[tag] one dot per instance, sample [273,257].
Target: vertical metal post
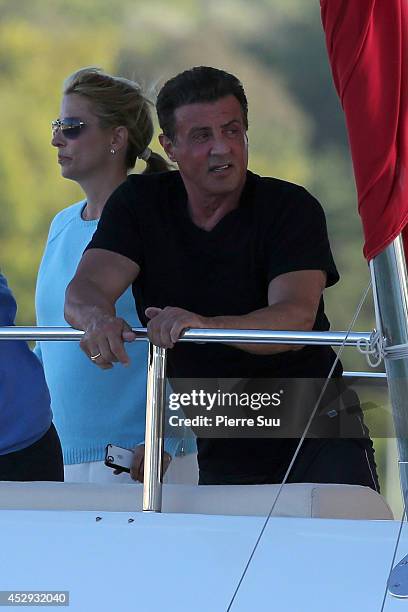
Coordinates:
[390,288]
[155,406]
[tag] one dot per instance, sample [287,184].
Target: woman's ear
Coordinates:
[119,138]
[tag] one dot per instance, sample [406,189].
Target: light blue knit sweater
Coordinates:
[91,407]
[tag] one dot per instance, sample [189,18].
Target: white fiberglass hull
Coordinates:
[192,563]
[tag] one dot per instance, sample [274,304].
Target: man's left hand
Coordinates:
[167,325]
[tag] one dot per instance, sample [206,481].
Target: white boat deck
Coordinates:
[192,563]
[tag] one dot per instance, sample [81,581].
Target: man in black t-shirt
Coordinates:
[216,246]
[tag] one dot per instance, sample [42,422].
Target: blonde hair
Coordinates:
[119,101]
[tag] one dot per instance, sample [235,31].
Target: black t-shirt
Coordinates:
[277,228]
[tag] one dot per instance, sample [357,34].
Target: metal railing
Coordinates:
[156,372]
[250,336]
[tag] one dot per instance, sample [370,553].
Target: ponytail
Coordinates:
[155,163]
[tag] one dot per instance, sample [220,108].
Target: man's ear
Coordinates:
[119,138]
[168,147]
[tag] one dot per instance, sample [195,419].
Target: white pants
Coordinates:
[182,470]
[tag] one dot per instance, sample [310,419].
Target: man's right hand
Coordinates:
[103,341]
[102,276]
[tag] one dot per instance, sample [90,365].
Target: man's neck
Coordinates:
[207,210]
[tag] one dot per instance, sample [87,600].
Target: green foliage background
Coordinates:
[276,47]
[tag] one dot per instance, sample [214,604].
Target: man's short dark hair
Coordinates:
[199,84]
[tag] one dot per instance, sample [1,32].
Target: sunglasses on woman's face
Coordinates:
[71,127]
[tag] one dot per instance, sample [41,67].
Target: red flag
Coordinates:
[367,42]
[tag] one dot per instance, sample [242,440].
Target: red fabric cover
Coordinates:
[367,42]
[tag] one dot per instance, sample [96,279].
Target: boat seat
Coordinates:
[296,500]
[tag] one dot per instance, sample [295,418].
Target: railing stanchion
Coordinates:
[155,407]
[390,292]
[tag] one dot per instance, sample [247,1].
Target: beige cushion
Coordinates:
[296,500]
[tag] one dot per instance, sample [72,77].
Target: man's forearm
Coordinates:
[84,303]
[282,316]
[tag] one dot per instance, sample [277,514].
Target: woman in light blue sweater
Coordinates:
[104,126]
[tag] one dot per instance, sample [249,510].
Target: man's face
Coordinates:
[210,147]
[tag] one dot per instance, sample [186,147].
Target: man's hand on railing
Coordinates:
[103,341]
[167,325]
